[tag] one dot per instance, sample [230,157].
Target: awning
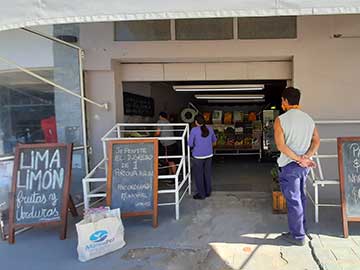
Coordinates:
[22,13]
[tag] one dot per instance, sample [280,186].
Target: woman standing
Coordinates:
[201,141]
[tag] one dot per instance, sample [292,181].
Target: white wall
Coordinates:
[325,69]
[99,87]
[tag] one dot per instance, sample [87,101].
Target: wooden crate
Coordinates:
[279,203]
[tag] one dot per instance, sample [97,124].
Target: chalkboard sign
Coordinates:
[138,105]
[40,186]
[349,172]
[132,183]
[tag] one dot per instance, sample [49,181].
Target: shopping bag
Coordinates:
[99,233]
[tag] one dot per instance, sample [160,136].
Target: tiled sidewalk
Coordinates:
[336,253]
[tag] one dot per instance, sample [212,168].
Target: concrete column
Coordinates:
[66,73]
[100,86]
[67,107]
[116,67]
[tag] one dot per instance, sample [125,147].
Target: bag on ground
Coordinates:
[100,232]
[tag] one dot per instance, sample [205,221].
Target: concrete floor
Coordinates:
[241,173]
[229,230]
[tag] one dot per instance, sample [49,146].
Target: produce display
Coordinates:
[228,118]
[238,117]
[217,117]
[251,116]
[235,133]
[207,117]
[269,145]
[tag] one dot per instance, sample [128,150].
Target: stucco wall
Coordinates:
[99,87]
[324,68]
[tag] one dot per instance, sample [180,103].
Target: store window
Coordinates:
[151,30]
[267,27]
[33,111]
[204,29]
[27,113]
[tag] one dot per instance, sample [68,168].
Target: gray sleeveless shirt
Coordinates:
[298,128]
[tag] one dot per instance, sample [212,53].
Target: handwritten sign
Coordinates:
[6,168]
[138,105]
[349,170]
[132,177]
[40,186]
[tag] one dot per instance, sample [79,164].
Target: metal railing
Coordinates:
[182,176]
[316,176]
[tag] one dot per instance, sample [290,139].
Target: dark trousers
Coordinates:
[202,174]
[292,182]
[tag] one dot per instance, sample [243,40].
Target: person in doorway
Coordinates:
[167,147]
[297,139]
[201,141]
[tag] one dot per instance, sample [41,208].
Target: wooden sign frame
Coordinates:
[154,212]
[345,218]
[67,182]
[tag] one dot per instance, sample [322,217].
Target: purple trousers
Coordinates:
[292,182]
[202,174]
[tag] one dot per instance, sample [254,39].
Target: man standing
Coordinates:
[167,147]
[297,139]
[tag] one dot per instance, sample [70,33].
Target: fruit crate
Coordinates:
[278,203]
[278,199]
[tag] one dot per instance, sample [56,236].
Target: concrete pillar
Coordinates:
[116,67]
[100,86]
[67,107]
[66,73]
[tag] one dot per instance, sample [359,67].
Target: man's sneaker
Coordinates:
[198,197]
[288,238]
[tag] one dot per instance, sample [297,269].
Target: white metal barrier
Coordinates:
[182,177]
[317,175]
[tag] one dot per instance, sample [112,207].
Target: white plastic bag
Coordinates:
[99,233]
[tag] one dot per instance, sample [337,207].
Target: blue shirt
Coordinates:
[201,147]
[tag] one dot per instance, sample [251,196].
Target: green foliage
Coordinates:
[275,176]
[274,172]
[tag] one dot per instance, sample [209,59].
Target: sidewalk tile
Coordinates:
[345,253]
[350,266]
[357,251]
[356,239]
[330,242]
[324,255]
[331,266]
[315,242]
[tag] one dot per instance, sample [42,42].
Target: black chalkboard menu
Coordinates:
[40,186]
[349,174]
[132,183]
[138,105]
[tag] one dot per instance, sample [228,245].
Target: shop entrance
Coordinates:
[241,113]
